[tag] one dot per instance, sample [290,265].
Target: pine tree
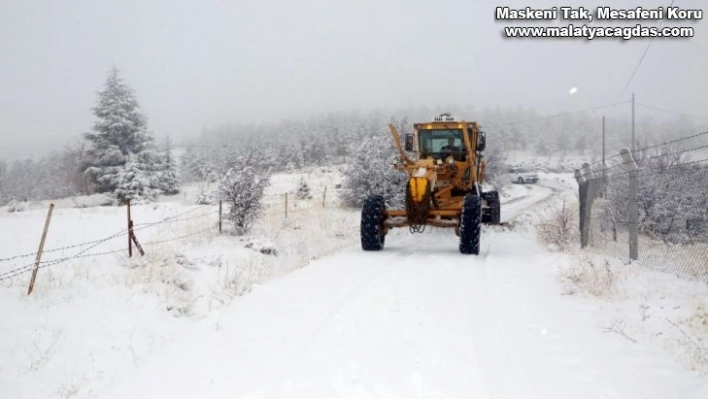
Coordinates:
[169,179]
[120,130]
[303,191]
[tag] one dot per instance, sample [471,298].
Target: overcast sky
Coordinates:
[203,63]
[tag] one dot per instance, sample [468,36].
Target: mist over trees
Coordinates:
[332,138]
[56,175]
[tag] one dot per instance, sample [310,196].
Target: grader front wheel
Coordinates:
[372,228]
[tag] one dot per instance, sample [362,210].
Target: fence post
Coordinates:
[582,211]
[41,248]
[324,196]
[631,166]
[130,232]
[219,217]
[286,205]
[137,245]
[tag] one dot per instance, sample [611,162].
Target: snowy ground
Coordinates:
[415,320]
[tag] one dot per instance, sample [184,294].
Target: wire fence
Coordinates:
[201,220]
[651,207]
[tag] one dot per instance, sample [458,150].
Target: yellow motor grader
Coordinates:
[444,185]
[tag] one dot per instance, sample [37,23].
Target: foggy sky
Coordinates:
[196,64]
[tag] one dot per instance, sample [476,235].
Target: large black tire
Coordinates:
[372,228]
[520,180]
[470,225]
[493,214]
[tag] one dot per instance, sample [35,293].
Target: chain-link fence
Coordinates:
[650,206]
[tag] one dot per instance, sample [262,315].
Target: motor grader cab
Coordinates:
[445,167]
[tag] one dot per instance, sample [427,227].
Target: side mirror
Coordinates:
[409,142]
[482,143]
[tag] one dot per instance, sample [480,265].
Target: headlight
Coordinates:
[450,161]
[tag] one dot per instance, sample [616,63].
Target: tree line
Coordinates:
[121,157]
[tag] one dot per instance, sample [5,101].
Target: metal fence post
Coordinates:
[582,213]
[631,166]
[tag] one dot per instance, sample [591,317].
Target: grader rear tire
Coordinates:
[372,228]
[470,225]
[493,215]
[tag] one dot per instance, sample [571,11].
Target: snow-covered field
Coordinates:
[204,315]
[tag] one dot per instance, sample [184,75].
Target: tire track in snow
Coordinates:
[402,316]
[407,247]
[388,268]
[546,193]
[495,359]
[494,296]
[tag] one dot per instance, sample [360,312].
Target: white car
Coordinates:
[521,176]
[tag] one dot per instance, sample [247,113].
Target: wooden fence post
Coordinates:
[137,244]
[132,239]
[219,217]
[41,248]
[130,232]
[324,196]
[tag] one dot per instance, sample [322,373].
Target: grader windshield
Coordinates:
[440,143]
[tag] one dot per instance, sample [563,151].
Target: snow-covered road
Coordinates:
[415,320]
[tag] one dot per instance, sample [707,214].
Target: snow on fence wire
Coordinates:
[656,214]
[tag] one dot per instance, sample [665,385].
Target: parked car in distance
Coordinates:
[522,176]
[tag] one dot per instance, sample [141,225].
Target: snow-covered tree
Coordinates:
[495,163]
[169,178]
[370,171]
[672,199]
[303,191]
[120,130]
[133,183]
[242,187]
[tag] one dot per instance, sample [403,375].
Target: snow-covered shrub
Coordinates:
[242,187]
[303,191]
[691,339]
[370,171]
[560,229]
[291,167]
[133,184]
[204,197]
[588,277]
[265,247]
[17,206]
